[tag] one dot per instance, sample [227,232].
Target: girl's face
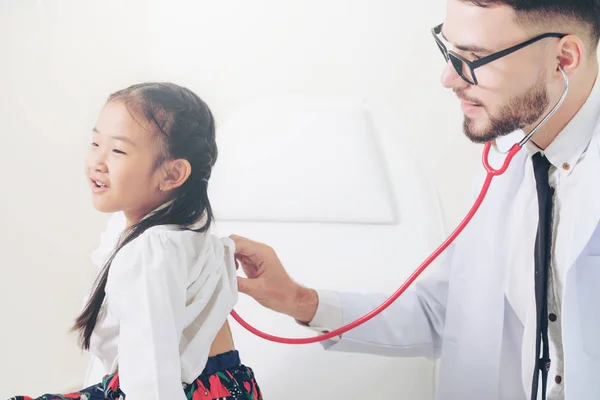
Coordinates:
[120,165]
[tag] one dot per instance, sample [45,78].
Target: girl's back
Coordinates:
[191,274]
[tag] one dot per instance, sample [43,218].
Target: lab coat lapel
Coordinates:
[474,324]
[588,211]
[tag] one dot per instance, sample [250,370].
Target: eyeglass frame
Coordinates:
[448,54]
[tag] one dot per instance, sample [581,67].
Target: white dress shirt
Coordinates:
[168,294]
[565,153]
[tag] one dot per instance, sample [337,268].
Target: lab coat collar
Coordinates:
[477,269]
[588,212]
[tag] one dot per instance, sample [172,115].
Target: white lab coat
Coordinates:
[462,315]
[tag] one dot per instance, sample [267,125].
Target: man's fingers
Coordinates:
[243,246]
[251,252]
[247,286]
[248,266]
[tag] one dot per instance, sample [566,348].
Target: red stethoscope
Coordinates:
[491,173]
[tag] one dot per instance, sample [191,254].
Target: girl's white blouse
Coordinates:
[169,292]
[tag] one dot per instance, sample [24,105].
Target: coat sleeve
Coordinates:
[412,326]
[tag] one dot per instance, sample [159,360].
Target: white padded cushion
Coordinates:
[301,160]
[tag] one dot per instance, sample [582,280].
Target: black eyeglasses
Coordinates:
[466,68]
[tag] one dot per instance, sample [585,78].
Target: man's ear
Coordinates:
[570,53]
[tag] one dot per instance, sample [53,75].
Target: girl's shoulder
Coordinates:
[163,247]
[166,241]
[168,238]
[176,249]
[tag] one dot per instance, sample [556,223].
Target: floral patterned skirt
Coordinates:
[224,378]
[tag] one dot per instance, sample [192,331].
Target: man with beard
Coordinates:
[512,313]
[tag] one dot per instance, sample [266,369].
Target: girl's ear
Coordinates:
[176,172]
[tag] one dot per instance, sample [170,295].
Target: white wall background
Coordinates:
[60,59]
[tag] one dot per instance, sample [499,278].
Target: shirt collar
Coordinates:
[570,144]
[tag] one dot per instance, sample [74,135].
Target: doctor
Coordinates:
[479,316]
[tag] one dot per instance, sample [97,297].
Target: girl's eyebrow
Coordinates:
[117,137]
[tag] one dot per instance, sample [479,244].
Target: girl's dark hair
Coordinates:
[186,130]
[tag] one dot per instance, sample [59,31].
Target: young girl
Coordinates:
[157,317]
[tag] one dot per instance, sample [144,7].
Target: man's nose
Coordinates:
[450,79]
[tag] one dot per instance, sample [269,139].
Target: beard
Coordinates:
[519,112]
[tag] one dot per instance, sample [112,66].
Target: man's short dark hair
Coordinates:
[581,12]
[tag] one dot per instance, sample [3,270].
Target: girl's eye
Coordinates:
[119,151]
[94,144]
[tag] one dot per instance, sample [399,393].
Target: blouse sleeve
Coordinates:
[147,292]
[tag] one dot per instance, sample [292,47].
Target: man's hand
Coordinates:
[268,282]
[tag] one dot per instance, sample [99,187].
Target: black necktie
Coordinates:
[543,241]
